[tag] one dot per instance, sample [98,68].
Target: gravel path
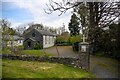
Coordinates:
[99,66]
[104,67]
[64,51]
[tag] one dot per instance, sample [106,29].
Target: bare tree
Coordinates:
[101,11]
[101,14]
[20,29]
[61,6]
[7,34]
[5,24]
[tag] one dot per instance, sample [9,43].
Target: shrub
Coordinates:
[60,39]
[75,39]
[63,39]
[63,43]
[20,47]
[37,46]
[76,46]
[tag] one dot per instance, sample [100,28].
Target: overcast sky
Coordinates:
[24,11]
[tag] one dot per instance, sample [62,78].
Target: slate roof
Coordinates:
[13,37]
[44,32]
[30,39]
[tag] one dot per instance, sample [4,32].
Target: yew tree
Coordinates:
[74,25]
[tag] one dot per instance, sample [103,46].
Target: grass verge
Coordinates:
[35,53]
[32,69]
[27,52]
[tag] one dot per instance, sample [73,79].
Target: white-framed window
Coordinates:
[20,41]
[45,39]
[49,39]
[52,39]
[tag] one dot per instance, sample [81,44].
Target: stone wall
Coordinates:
[74,62]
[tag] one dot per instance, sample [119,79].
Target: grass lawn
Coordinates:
[32,69]
[35,52]
[27,52]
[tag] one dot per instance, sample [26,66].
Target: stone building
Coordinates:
[37,35]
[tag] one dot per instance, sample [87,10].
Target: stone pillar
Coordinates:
[84,55]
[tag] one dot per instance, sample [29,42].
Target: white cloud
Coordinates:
[13,23]
[59,21]
[36,8]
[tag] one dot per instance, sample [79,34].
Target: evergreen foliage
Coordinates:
[37,46]
[74,25]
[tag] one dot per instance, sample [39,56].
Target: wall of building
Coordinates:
[37,37]
[48,41]
[30,45]
[15,43]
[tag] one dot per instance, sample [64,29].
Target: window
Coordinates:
[52,39]
[20,41]
[33,34]
[49,40]
[45,39]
